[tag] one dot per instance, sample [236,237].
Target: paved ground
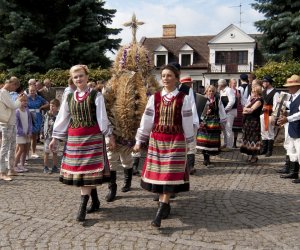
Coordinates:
[230,206]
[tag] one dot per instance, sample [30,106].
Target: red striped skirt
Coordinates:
[85,160]
[164,169]
[238,120]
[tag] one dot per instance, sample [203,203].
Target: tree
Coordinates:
[40,35]
[281,28]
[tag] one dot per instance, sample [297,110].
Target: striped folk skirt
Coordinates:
[164,169]
[209,135]
[85,160]
[238,120]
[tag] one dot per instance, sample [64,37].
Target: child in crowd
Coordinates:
[24,130]
[49,119]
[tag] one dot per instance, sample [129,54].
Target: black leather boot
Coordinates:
[82,208]
[95,205]
[270,148]
[127,180]
[286,168]
[264,148]
[191,163]
[296,181]
[294,171]
[235,140]
[160,211]
[112,186]
[135,165]
[206,161]
[166,212]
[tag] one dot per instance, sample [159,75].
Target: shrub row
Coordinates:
[279,71]
[58,77]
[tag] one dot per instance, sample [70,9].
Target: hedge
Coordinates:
[58,77]
[279,71]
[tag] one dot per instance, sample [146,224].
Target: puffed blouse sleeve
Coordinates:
[222,112]
[102,119]
[61,124]
[187,120]
[147,122]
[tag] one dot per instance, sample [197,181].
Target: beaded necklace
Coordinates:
[82,98]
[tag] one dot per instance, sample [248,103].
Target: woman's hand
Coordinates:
[282,120]
[247,110]
[136,148]
[111,143]
[52,144]
[202,125]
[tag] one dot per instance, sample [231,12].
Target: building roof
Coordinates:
[198,43]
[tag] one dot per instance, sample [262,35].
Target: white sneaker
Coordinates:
[34,156]
[23,169]
[19,169]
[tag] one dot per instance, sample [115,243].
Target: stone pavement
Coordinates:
[231,206]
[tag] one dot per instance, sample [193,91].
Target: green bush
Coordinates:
[279,71]
[58,77]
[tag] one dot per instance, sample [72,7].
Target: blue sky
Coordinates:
[192,17]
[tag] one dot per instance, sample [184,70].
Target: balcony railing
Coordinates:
[229,68]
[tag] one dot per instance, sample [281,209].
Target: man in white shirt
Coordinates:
[185,86]
[244,89]
[228,99]
[270,96]
[293,120]
[8,130]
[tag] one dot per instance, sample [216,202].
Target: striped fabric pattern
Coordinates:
[83,161]
[187,113]
[84,151]
[149,112]
[166,159]
[166,117]
[208,135]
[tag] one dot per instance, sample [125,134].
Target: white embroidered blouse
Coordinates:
[147,121]
[63,118]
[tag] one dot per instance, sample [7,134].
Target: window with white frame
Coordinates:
[160,56]
[161,60]
[186,55]
[186,59]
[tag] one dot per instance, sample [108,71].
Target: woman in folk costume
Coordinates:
[83,120]
[238,120]
[251,125]
[169,122]
[208,137]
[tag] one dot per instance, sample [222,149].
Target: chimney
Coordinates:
[169,31]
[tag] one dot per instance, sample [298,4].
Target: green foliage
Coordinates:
[36,36]
[280,71]
[58,77]
[280,28]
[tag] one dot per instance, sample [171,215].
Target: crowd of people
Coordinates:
[172,127]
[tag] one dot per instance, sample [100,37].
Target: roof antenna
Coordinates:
[239,6]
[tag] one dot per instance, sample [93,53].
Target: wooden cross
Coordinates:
[133,24]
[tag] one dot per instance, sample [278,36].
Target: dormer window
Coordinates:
[160,60]
[186,59]
[161,56]
[186,55]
